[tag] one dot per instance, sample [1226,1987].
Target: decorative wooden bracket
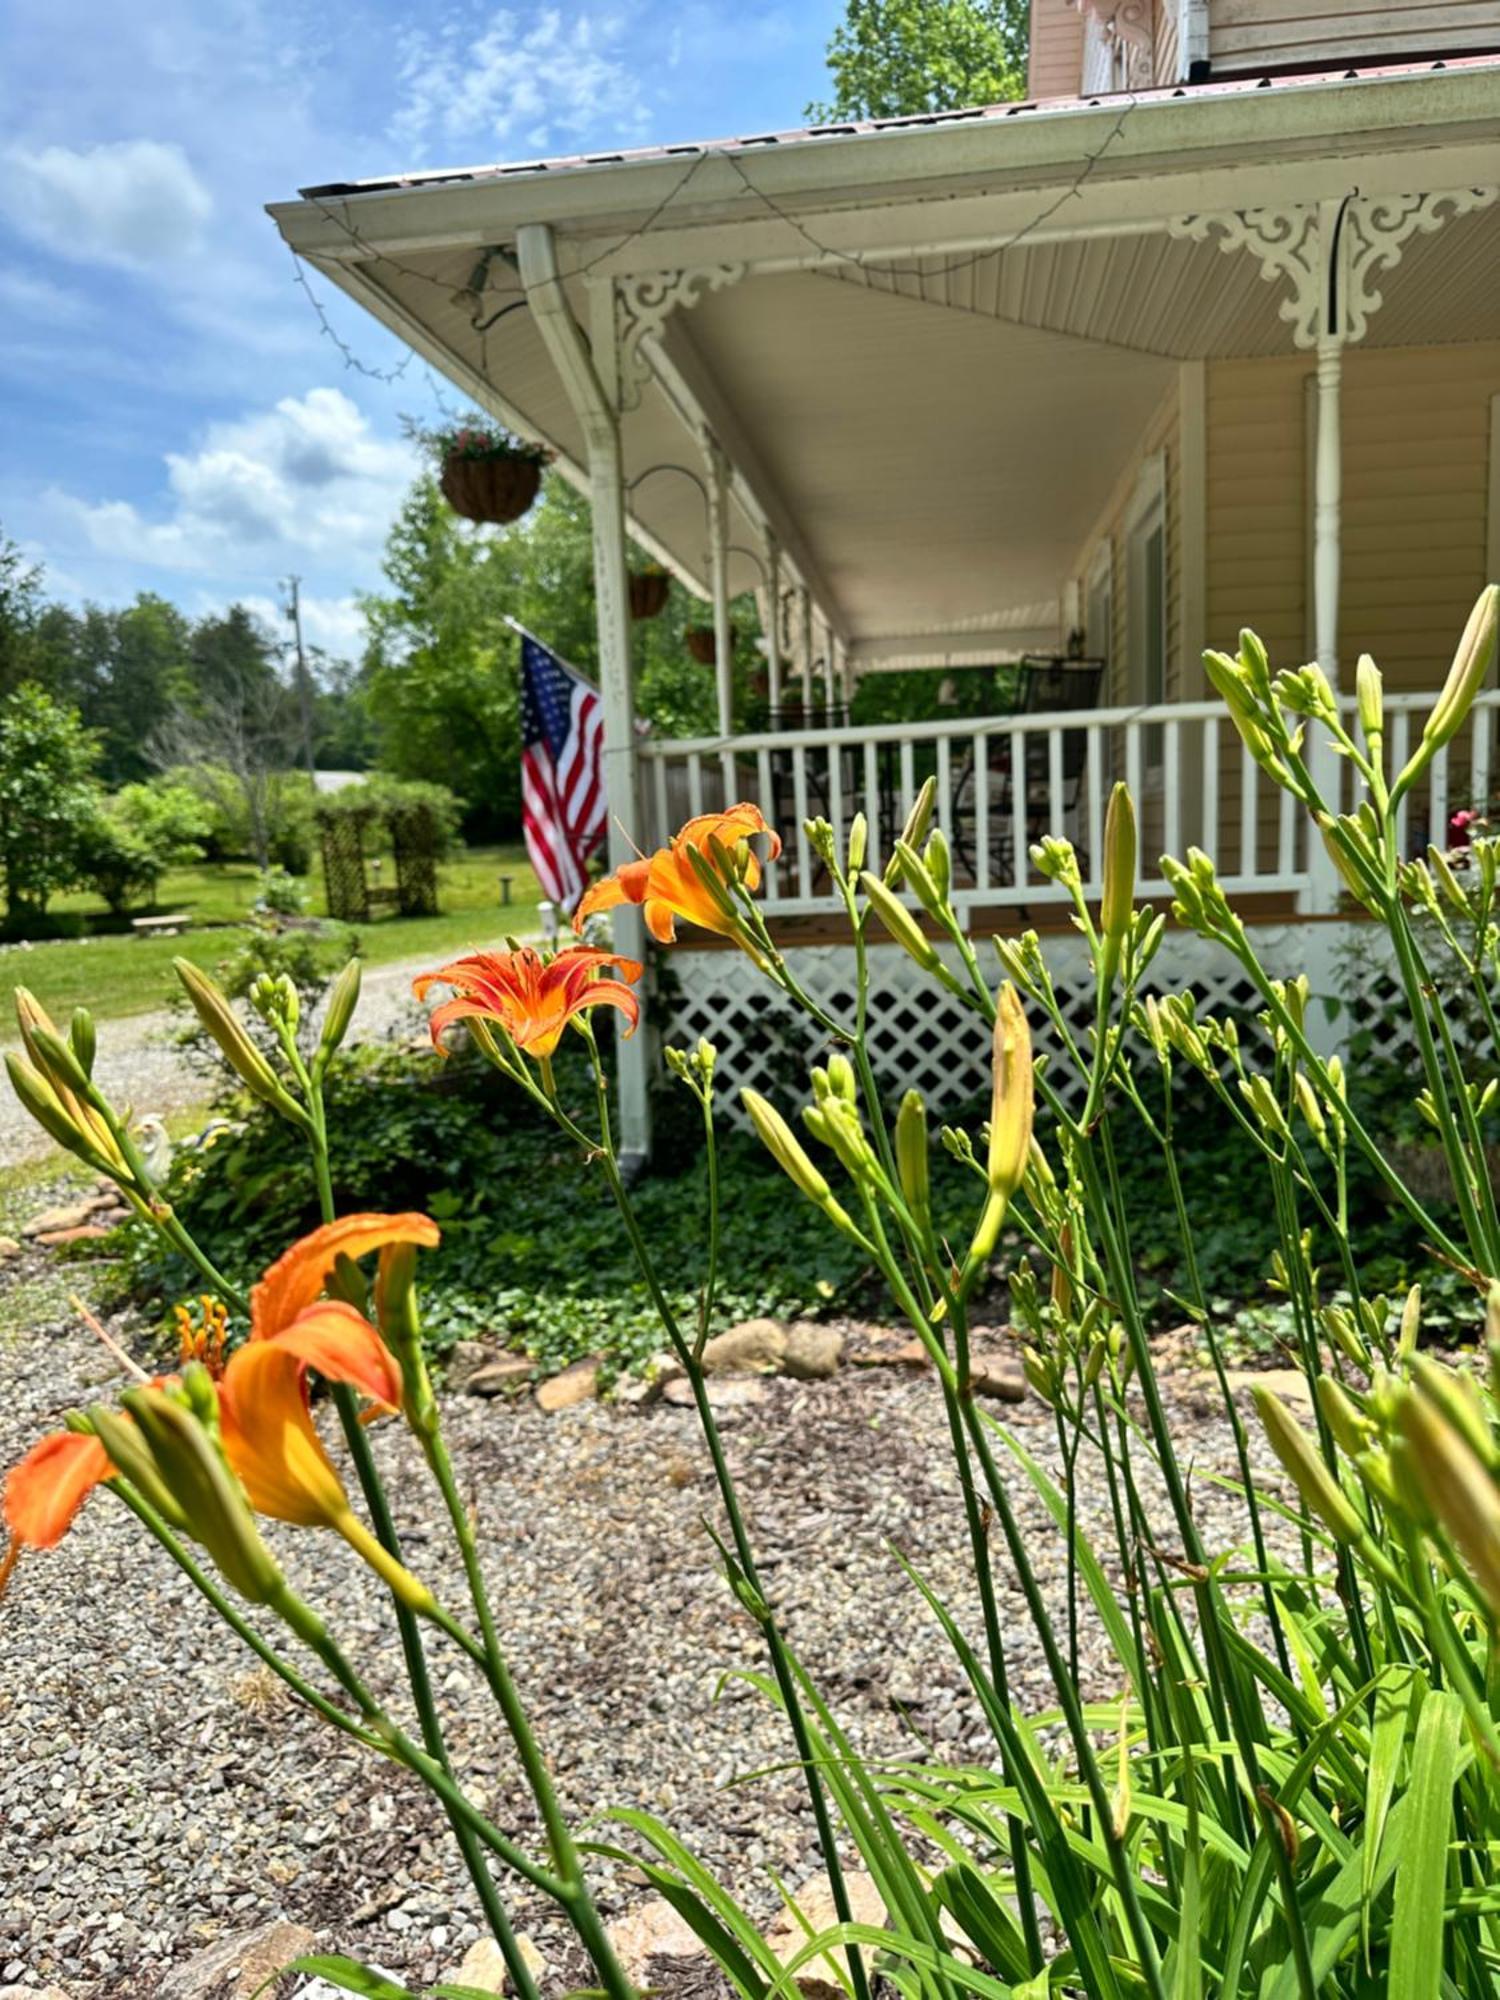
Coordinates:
[1330,253]
[644,303]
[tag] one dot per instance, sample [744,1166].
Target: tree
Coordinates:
[899,58]
[137,835]
[48,795]
[235,746]
[20,607]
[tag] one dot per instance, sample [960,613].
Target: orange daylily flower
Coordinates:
[267,1428]
[533,998]
[666,883]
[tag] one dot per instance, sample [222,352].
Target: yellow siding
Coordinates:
[1284,34]
[1056,61]
[1416,483]
[1161,435]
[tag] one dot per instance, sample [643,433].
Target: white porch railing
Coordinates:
[1003,782]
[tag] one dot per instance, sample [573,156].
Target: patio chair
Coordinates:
[1048,686]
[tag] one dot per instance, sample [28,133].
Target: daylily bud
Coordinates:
[1011,1113]
[1256,664]
[131,1457]
[919,879]
[1298,1453]
[1456,1395]
[1347,1423]
[1462,1494]
[343,998]
[1467,675]
[900,922]
[785,1148]
[39,1098]
[193,1469]
[859,840]
[912,1156]
[1119,879]
[1447,881]
[920,817]
[212,1007]
[939,862]
[1411,1323]
[841,1078]
[1369,694]
[83,1039]
[712,881]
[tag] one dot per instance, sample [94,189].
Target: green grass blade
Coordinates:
[1421,1882]
[1395,1699]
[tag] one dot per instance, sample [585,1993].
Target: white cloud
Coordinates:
[134,201]
[543,82]
[336,625]
[306,479]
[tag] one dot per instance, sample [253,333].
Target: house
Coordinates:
[1205,333]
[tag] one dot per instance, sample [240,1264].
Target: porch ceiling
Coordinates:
[945,467]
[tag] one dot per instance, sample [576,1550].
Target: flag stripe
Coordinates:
[563,811]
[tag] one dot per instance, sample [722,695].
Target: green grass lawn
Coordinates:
[117,973]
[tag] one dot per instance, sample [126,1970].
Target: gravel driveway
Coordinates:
[139,1063]
[156,1791]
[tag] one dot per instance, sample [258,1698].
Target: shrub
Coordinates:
[48,795]
[137,835]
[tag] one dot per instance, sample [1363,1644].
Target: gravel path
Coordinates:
[157,1792]
[139,1062]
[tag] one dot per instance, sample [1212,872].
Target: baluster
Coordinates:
[1437,812]
[1400,749]
[1171,777]
[1479,753]
[695,784]
[1286,835]
[799,800]
[663,829]
[908,780]
[1249,816]
[873,859]
[1209,834]
[981,810]
[768,807]
[836,793]
[943,803]
[1094,781]
[1019,744]
[1055,783]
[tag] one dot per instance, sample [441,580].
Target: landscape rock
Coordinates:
[484,1968]
[652,1930]
[578,1384]
[463,1358]
[639,1392]
[813,1352]
[725,1392]
[507,1375]
[33,1993]
[998,1380]
[817,1979]
[1290,1384]
[754,1347]
[907,1354]
[85,1232]
[237,1967]
[71,1216]
[9,1248]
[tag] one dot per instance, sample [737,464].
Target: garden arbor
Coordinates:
[1109,376]
[418,822]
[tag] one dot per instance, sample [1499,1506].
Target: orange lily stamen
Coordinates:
[531,997]
[667,884]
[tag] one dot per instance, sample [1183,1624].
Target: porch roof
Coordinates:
[926,346]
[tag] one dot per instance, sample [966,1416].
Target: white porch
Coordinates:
[900,381]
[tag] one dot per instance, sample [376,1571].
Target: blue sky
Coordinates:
[171,417]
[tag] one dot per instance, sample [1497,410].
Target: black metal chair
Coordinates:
[1048,686]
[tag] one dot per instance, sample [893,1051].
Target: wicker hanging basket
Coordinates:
[491,489]
[700,642]
[649,590]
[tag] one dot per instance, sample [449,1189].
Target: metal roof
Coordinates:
[1029,110]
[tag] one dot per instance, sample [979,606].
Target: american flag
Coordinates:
[563,808]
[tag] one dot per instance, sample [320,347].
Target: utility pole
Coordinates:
[304,684]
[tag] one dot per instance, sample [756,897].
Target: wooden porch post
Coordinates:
[717,467]
[1322,898]
[805,604]
[773,624]
[590,375]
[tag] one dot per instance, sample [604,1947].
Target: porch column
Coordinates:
[717,467]
[805,604]
[1322,898]
[589,370]
[773,624]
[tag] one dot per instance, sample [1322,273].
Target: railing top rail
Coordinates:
[961,727]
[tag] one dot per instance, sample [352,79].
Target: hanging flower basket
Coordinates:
[490,489]
[649,590]
[700,643]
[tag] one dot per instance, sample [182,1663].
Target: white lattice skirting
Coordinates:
[924,1038]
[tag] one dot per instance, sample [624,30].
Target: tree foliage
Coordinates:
[48,795]
[137,835]
[899,58]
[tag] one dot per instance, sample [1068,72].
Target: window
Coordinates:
[1146,542]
